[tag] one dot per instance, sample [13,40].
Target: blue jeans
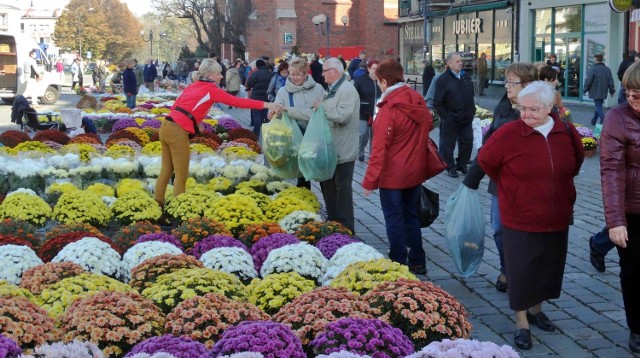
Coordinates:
[258,116]
[400,210]
[131,101]
[602,244]
[599,111]
[496,224]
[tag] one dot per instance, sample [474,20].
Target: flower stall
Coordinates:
[248,269]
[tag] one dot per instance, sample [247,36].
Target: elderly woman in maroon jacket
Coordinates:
[397,164]
[619,168]
[533,161]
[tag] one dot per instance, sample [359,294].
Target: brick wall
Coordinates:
[366,26]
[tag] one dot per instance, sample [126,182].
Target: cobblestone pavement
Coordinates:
[589,313]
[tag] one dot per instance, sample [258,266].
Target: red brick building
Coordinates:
[274,26]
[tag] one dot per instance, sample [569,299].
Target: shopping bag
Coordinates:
[280,141]
[464,226]
[597,131]
[429,206]
[317,157]
[477,133]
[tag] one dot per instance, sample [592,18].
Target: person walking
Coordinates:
[97,75]
[355,63]
[60,70]
[149,74]
[454,102]
[482,73]
[342,107]
[75,73]
[233,79]
[534,161]
[369,92]
[619,164]
[398,163]
[428,73]
[258,84]
[598,81]
[129,84]
[187,112]
[32,75]
[278,80]
[518,76]
[297,97]
[628,60]
[139,72]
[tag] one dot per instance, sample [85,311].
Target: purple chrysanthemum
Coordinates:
[161,237]
[151,123]
[130,143]
[124,123]
[206,127]
[147,105]
[584,131]
[328,245]
[180,347]
[228,123]
[214,242]
[362,336]
[9,348]
[260,250]
[269,338]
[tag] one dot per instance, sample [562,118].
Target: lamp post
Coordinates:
[323,26]
[159,40]
[150,39]
[80,16]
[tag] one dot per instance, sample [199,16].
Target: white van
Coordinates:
[13,54]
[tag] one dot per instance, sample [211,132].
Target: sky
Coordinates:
[137,7]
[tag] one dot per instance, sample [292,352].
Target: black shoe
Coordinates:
[463,170]
[634,342]
[418,269]
[452,173]
[522,339]
[542,321]
[501,286]
[597,260]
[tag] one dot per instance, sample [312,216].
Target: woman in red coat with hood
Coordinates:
[397,165]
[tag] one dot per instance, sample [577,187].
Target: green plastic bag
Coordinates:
[280,142]
[317,157]
[597,131]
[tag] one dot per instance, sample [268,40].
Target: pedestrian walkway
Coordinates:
[589,314]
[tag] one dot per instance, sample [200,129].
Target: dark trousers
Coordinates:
[400,210]
[630,273]
[450,133]
[602,243]
[338,196]
[258,116]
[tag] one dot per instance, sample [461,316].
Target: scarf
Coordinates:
[332,91]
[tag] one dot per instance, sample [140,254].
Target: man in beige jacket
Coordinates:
[341,103]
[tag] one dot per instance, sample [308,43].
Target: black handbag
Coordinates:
[429,206]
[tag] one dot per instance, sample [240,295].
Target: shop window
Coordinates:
[568,19]
[502,60]
[487,48]
[543,21]
[437,54]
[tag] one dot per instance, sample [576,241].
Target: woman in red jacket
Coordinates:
[183,120]
[533,161]
[619,167]
[397,164]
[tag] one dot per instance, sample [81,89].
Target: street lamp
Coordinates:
[80,16]
[323,26]
[150,39]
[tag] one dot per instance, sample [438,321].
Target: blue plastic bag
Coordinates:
[317,157]
[464,226]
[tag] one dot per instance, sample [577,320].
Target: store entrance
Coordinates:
[568,48]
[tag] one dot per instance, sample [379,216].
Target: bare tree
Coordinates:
[215,21]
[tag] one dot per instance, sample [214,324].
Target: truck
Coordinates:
[14,52]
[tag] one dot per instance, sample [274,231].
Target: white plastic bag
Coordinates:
[143,90]
[477,133]
[242,92]
[464,226]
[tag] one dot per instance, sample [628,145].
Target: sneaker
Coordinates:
[452,173]
[597,260]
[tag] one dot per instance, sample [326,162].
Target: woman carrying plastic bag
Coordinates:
[280,141]
[317,157]
[464,226]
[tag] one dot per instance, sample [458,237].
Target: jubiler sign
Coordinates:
[467,26]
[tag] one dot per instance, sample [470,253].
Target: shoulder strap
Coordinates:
[290,99]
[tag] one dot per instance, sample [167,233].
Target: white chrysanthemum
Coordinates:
[292,222]
[244,355]
[154,355]
[93,255]
[144,251]
[75,349]
[22,191]
[343,354]
[345,256]
[15,260]
[233,260]
[448,348]
[302,258]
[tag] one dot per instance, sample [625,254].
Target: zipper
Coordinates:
[552,201]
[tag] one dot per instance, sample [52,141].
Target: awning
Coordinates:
[347,52]
[471,8]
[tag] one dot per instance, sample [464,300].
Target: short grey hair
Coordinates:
[208,66]
[540,91]
[334,62]
[450,56]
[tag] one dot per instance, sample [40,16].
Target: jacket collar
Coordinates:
[525,130]
[391,95]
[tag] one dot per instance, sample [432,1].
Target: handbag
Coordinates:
[429,206]
[435,163]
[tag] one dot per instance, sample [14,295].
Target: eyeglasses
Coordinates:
[298,75]
[511,84]
[524,109]
[632,96]
[327,70]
